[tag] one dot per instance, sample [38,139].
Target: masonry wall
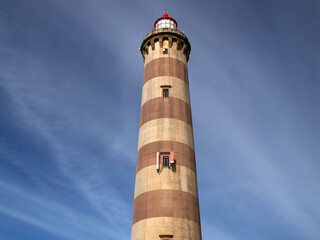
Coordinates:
[166,202]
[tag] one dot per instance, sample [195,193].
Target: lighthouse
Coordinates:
[166,204]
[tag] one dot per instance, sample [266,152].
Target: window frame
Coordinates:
[167,158]
[165,92]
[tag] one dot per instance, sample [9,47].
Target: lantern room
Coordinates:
[166,22]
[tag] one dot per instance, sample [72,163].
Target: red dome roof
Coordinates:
[165,16]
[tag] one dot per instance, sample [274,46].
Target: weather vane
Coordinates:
[165,5]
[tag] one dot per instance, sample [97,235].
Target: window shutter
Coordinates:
[158,160]
[172,157]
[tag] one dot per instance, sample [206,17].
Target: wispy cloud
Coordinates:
[83,168]
[50,216]
[73,134]
[71,81]
[265,162]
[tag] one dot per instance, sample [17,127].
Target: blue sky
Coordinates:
[70,91]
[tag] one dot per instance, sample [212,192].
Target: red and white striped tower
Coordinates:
[166,204]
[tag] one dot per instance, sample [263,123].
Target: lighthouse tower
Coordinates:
[166,204]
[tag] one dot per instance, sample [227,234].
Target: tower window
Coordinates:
[165,51]
[166,161]
[166,237]
[165,92]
